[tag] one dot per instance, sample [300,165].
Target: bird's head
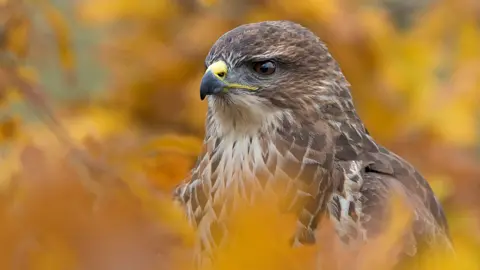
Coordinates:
[259,73]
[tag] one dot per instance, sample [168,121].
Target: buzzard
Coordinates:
[280,111]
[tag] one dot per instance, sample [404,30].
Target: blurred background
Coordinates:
[101,116]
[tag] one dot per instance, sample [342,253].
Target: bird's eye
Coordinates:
[264,68]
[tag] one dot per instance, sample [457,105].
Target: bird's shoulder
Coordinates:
[383,173]
[355,146]
[386,166]
[366,175]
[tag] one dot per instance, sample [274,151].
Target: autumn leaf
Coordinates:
[9,129]
[61,29]
[89,185]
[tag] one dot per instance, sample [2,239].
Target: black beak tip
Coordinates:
[211,85]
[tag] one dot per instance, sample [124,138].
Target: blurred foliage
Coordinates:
[88,187]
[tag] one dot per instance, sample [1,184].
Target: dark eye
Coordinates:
[265,67]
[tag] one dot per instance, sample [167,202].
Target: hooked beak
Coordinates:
[211,84]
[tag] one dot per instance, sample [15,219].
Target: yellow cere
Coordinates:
[220,67]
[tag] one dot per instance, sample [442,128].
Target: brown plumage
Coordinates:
[280,111]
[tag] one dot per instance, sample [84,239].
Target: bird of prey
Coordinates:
[280,111]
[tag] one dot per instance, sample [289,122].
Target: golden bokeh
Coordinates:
[86,182]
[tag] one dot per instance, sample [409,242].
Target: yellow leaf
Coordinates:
[441,185]
[9,129]
[18,35]
[323,10]
[53,255]
[208,3]
[187,145]
[382,251]
[28,74]
[61,30]
[104,11]
[258,245]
